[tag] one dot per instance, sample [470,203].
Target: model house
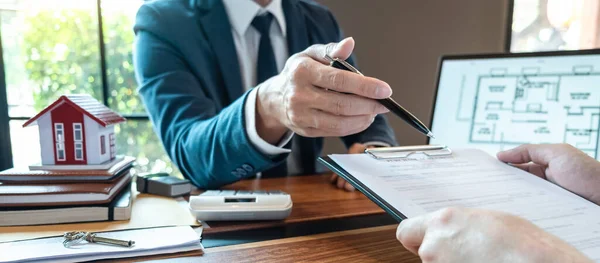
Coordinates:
[76,130]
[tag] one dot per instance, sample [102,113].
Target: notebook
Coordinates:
[149,241]
[78,167]
[61,194]
[147,211]
[118,209]
[23,174]
[418,183]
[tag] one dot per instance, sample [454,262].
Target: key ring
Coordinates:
[73,238]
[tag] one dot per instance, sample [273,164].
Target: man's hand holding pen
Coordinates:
[313,99]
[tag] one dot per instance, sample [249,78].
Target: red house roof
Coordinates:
[85,104]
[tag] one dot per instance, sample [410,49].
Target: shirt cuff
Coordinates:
[263,146]
[377,144]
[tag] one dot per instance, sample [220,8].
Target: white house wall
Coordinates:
[46,138]
[93,131]
[106,131]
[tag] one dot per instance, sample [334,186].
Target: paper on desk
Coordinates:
[150,241]
[472,178]
[147,211]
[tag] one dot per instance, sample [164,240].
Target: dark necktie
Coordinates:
[266,67]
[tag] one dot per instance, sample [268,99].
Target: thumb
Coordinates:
[537,153]
[411,232]
[342,49]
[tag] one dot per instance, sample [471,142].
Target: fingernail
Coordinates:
[384,92]
[345,39]
[339,44]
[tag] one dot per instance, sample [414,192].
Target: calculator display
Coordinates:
[240,200]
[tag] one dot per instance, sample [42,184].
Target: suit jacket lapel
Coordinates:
[297,35]
[218,32]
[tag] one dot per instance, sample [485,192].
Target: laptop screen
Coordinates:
[497,102]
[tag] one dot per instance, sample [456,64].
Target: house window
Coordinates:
[78,139]
[102,145]
[59,131]
[59,136]
[112,145]
[60,152]
[77,132]
[79,151]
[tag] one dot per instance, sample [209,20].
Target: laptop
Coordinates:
[496,102]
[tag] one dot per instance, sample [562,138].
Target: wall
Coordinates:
[400,41]
[45,128]
[93,131]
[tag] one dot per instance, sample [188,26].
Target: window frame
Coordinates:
[78,143]
[59,143]
[61,129]
[102,145]
[78,147]
[5,142]
[510,9]
[75,130]
[111,143]
[60,148]
[6,158]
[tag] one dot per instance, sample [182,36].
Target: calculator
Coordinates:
[231,205]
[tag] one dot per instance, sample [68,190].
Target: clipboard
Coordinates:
[412,186]
[385,153]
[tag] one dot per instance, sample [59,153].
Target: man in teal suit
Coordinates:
[237,88]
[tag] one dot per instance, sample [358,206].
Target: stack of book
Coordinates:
[66,194]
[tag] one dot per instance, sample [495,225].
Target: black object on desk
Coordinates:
[162,184]
[389,103]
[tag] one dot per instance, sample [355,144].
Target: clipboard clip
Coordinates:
[386,153]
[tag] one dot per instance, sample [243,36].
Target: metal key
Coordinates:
[75,237]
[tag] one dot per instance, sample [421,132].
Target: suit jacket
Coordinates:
[189,79]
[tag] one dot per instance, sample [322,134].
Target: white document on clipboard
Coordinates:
[421,183]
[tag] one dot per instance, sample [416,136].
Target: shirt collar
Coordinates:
[242,12]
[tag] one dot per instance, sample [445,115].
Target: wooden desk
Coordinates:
[317,205]
[314,199]
[376,244]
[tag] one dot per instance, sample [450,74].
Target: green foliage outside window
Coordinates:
[61,55]
[61,52]
[118,38]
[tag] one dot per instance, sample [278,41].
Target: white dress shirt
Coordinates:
[247,39]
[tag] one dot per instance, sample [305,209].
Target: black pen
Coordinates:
[389,103]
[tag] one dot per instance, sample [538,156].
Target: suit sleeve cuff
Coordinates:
[262,146]
[377,144]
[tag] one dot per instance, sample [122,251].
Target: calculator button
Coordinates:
[242,192]
[211,192]
[260,192]
[227,192]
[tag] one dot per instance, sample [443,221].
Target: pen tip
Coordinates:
[430,135]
